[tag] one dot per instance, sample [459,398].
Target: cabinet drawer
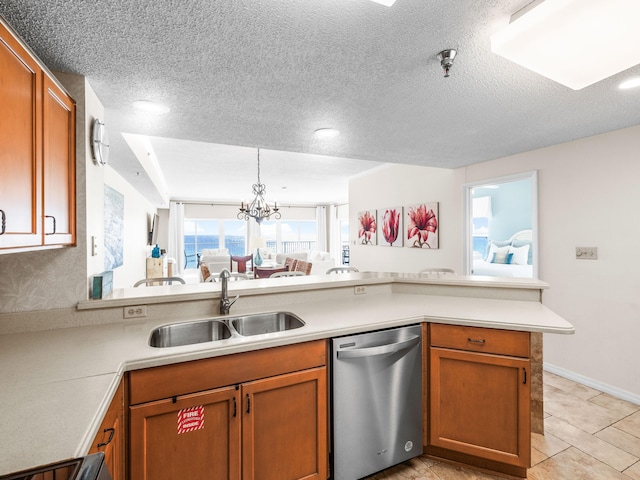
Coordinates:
[477,339]
[183,378]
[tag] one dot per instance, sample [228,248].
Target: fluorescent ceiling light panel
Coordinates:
[573,42]
[386,3]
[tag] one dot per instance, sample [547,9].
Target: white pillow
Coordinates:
[497,254]
[520,254]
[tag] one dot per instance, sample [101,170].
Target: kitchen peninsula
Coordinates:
[58,383]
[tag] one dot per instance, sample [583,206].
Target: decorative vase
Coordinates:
[257,260]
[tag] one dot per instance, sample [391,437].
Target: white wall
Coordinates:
[136,220]
[588,194]
[404,185]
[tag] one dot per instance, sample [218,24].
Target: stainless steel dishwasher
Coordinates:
[377,401]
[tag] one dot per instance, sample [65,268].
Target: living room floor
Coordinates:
[589,435]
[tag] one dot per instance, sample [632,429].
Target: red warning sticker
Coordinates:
[190,419]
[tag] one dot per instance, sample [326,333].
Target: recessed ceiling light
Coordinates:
[326,133]
[151,107]
[631,83]
[386,3]
[573,42]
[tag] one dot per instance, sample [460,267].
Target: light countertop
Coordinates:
[57,384]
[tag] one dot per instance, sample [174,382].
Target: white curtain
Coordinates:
[321,219]
[175,248]
[253,230]
[335,247]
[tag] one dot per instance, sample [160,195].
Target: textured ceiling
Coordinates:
[267,73]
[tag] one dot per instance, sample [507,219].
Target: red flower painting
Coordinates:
[391,225]
[423,226]
[368,227]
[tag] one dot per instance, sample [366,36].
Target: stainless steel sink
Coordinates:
[189,333]
[265,323]
[200,331]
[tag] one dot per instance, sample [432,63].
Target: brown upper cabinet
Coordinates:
[37,154]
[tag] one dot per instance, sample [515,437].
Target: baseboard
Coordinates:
[590,382]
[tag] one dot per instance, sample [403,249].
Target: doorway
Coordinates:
[501,226]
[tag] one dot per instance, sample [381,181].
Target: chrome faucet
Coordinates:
[225,303]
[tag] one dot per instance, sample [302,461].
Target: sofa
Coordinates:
[320,261]
[215,259]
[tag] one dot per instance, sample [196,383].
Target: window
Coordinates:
[213,233]
[281,236]
[200,234]
[235,237]
[480,215]
[297,236]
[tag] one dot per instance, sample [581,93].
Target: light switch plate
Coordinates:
[94,246]
[587,253]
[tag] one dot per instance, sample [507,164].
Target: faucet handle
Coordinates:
[234,300]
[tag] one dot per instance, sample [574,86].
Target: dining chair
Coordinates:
[234,277]
[303,266]
[159,280]
[289,263]
[288,274]
[342,269]
[437,270]
[188,256]
[242,263]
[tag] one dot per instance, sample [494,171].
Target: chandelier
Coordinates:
[258,208]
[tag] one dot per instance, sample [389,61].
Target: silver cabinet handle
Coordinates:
[4,223]
[379,350]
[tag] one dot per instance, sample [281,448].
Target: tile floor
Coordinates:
[589,435]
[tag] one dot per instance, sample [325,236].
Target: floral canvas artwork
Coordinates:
[390,221]
[367,227]
[422,225]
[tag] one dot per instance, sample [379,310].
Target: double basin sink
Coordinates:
[211,330]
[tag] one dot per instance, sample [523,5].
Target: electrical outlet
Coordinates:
[135,312]
[587,253]
[360,290]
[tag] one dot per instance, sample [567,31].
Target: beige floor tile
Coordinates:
[446,471]
[630,424]
[597,448]
[414,469]
[572,464]
[548,444]
[633,471]
[623,440]
[617,405]
[578,412]
[569,386]
[537,456]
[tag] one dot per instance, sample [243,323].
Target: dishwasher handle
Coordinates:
[380,349]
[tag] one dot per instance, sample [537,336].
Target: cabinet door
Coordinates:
[59,166]
[284,429]
[193,437]
[111,436]
[479,405]
[20,145]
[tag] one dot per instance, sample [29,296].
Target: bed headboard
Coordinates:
[524,236]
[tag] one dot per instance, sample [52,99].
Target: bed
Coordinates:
[508,258]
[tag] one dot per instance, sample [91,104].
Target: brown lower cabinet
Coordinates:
[272,424]
[112,435]
[479,397]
